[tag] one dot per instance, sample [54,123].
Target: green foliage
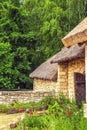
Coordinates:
[11,27]
[62,114]
[6,66]
[49,100]
[58,118]
[22,65]
[76,10]
[35,27]
[32,122]
[5,108]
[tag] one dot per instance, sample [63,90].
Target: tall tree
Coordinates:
[12,26]
[34,29]
[6,66]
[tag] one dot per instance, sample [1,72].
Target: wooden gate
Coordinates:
[80,89]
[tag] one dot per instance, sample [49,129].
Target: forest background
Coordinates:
[30,33]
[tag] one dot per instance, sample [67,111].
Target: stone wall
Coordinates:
[42,85]
[74,66]
[7,97]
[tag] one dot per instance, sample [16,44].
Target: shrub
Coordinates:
[34,122]
[5,108]
[63,115]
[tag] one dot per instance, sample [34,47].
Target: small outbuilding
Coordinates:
[45,76]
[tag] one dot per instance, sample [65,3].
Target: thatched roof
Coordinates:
[72,53]
[77,35]
[46,71]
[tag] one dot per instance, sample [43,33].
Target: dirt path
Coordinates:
[6,119]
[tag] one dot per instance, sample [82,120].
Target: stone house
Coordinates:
[59,72]
[45,76]
[71,64]
[79,36]
[71,72]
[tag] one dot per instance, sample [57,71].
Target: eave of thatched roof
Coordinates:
[72,53]
[46,71]
[77,35]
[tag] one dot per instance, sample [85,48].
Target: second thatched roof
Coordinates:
[72,53]
[46,71]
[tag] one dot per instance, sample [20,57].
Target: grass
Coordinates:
[61,114]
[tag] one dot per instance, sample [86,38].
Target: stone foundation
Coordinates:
[8,97]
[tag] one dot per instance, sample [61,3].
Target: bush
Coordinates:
[5,108]
[35,121]
[63,115]
[6,66]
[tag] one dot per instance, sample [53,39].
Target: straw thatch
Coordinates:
[46,71]
[77,35]
[72,53]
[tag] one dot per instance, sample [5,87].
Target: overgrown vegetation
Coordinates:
[35,106]
[33,29]
[62,114]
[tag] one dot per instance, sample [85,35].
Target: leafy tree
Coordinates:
[76,11]
[12,26]
[22,66]
[34,29]
[6,66]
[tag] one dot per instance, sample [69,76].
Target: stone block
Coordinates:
[45,94]
[32,95]
[5,93]
[36,95]
[63,73]
[63,80]
[13,125]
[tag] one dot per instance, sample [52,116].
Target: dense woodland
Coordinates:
[31,32]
